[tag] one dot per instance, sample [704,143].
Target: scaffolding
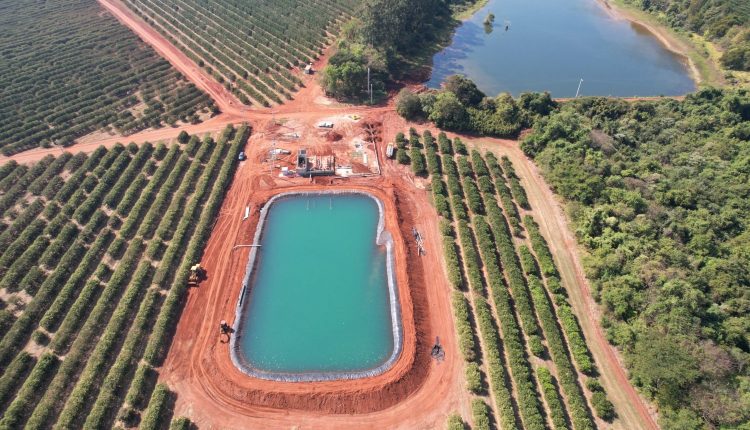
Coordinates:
[315,165]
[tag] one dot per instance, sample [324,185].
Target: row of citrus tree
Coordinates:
[250,50]
[110,305]
[79,72]
[479,202]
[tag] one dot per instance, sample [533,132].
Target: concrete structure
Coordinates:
[313,165]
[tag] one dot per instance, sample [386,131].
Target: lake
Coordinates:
[550,45]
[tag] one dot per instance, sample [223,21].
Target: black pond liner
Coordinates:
[383,238]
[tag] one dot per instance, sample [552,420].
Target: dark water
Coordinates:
[551,44]
[319,298]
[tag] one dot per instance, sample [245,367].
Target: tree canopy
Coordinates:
[461,106]
[346,75]
[400,25]
[725,21]
[659,194]
[408,105]
[465,90]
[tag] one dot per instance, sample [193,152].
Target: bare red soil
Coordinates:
[417,393]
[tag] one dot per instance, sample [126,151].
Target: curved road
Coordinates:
[635,412]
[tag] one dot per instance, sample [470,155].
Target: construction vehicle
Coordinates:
[389,150]
[197,274]
[225,330]
[437,352]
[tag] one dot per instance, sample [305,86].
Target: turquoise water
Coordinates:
[551,44]
[319,295]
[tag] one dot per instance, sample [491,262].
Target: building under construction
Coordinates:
[314,165]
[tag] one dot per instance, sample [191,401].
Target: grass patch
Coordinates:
[696,47]
[464,13]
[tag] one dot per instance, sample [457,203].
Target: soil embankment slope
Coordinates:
[202,394]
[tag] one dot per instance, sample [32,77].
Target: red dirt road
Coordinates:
[415,393]
[163,134]
[223,98]
[215,395]
[633,411]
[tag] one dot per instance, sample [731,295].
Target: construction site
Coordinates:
[133,277]
[340,146]
[315,145]
[284,155]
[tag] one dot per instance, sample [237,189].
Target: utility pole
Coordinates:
[273,154]
[273,142]
[370,94]
[579,87]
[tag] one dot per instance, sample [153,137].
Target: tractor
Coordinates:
[197,274]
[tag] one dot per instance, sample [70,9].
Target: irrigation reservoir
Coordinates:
[319,301]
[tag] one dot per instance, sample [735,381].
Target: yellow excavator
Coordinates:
[197,274]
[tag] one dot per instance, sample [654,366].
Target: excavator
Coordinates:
[197,274]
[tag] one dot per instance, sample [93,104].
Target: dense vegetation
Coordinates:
[94,259]
[461,106]
[69,69]
[510,292]
[726,21]
[659,194]
[385,37]
[254,48]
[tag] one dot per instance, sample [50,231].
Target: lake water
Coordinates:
[551,44]
[319,297]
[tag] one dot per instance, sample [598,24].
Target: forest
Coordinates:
[391,39]
[461,106]
[69,69]
[659,197]
[724,21]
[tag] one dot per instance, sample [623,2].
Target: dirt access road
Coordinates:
[441,391]
[416,393]
[223,98]
[633,411]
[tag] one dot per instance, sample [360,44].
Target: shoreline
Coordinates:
[663,34]
[702,71]
[472,10]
